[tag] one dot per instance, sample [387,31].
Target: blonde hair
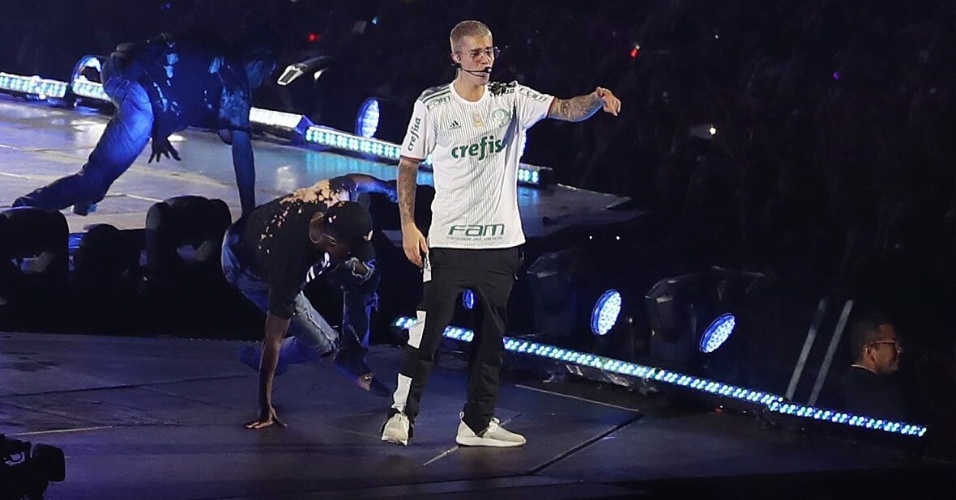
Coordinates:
[467,28]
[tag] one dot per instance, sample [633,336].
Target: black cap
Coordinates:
[350,222]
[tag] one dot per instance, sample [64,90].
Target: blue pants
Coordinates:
[310,335]
[126,134]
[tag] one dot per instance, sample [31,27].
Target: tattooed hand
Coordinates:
[611,103]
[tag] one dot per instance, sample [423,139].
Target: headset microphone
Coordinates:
[480,72]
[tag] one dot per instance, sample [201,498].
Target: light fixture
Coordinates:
[366,123]
[717,332]
[468,299]
[605,312]
[33,86]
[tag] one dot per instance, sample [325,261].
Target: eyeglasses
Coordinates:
[475,54]
[896,344]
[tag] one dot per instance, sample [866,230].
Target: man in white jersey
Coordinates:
[475,131]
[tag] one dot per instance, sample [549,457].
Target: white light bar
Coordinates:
[798,410]
[277,119]
[33,85]
[530,174]
[324,136]
[773,402]
[90,90]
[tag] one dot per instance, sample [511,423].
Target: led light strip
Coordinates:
[798,410]
[278,119]
[773,402]
[324,136]
[90,90]
[33,85]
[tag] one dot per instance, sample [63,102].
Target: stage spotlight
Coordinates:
[366,123]
[690,316]
[669,313]
[699,323]
[553,292]
[717,333]
[468,299]
[605,312]
[87,79]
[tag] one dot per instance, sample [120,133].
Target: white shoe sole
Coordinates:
[394,440]
[491,443]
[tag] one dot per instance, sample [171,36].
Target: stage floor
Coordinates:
[162,418]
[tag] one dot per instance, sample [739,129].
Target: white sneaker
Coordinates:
[397,429]
[495,435]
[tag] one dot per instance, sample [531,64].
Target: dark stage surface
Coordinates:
[162,418]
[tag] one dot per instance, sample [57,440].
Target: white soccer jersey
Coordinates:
[475,148]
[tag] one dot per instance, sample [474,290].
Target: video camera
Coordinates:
[26,470]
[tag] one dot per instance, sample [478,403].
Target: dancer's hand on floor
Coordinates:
[267,417]
[162,147]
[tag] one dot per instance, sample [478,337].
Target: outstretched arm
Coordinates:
[245,167]
[582,107]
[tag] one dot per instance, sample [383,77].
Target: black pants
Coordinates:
[490,274]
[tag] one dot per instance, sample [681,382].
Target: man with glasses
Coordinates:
[868,388]
[474,129]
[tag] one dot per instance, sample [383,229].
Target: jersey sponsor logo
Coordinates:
[482,149]
[416,125]
[431,103]
[475,231]
[454,125]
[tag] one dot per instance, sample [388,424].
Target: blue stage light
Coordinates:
[605,312]
[717,333]
[468,299]
[366,123]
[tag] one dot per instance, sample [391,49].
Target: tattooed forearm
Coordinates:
[575,109]
[407,181]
